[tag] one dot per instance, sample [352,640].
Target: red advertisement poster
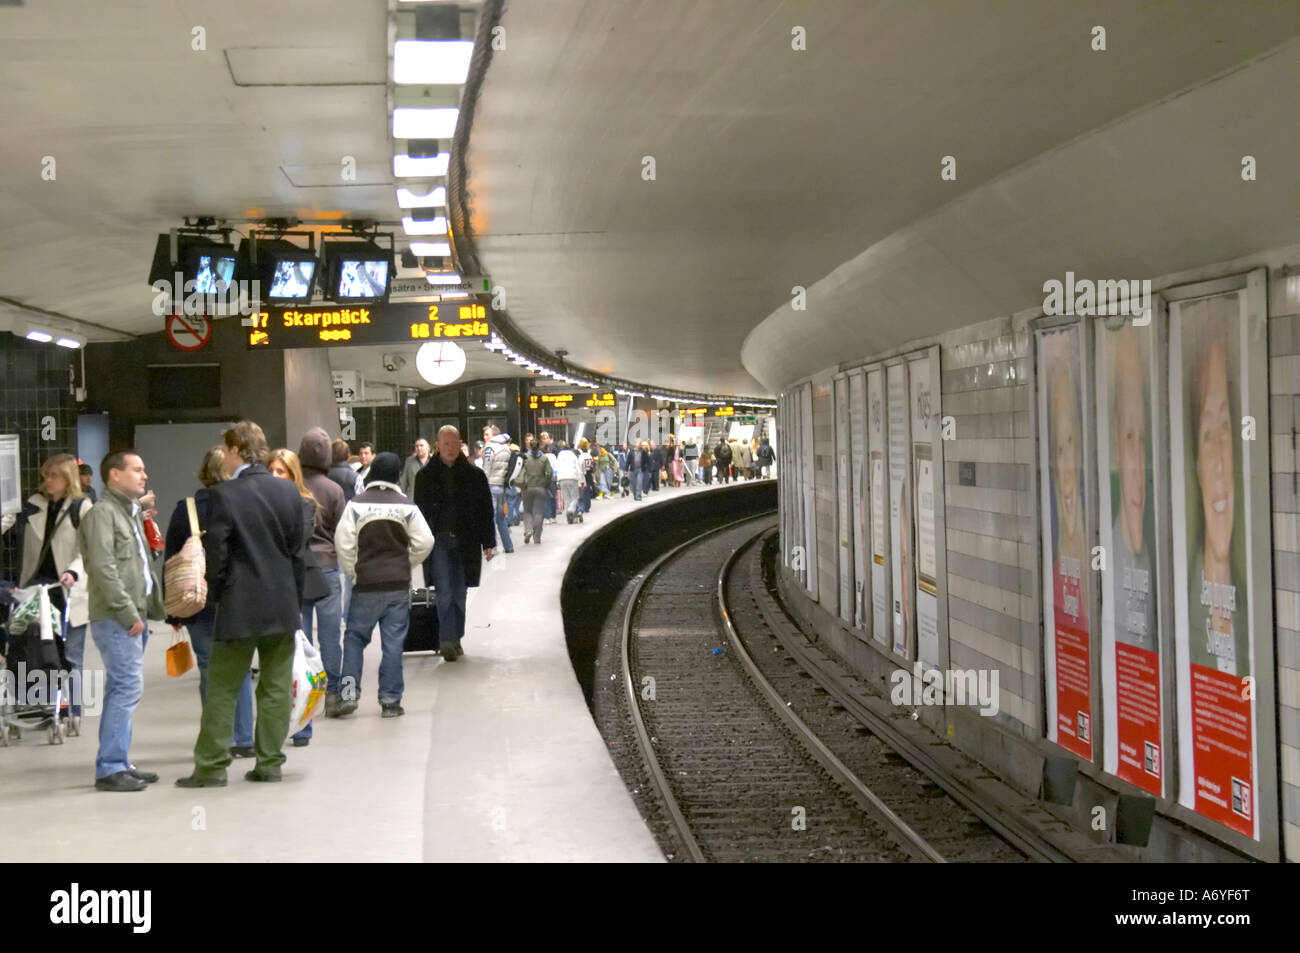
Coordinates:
[1221,725]
[1073,666]
[1137,673]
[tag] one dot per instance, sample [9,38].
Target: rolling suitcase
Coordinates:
[422,632]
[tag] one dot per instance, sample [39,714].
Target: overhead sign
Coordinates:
[189,332]
[402,288]
[561,401]
[552,421]
[376,395]
[724,412]
[335,325]
[685,412]
[348,387]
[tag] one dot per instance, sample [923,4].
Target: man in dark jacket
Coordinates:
[381,537]
[316,456]
[722,460]
[341,473]
[255,568]
[453,495]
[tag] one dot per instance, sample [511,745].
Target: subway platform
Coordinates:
[496,759]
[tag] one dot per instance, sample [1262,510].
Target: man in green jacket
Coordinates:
[124,594]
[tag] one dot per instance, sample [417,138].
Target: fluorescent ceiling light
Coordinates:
[416,123]
[431,249]
[67,342]
[431,62]
[450,295]
[34,335]
[434,198]
[436,227]
[443,278]
[406,167]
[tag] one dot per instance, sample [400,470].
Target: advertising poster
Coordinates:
[1212,561]
[1066,565]
[924,421]
[881,620]
[900,505]
[1130,637]
[808,490]
[858,439]
[11,498]
[844,541]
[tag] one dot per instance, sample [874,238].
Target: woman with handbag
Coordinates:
[285,465]
[200,625]
[51,553]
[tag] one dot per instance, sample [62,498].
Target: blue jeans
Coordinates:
[345,584]
[201,640]
[123,657]
[499,517]
[392,611]
[74,649]
[634,477]
[513,515]
[325,612]
[450,590]
[550,501]
[604,481]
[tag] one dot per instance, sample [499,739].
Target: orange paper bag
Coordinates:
[180,658]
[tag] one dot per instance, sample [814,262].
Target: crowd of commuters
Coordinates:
[308,541]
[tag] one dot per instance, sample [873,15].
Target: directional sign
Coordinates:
[189,332]
[348,387]
[405,288]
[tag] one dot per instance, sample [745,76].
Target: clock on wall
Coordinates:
[440,362]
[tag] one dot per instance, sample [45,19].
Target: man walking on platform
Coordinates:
[124,595]
[380,538]
[414,463]
[453,495]
[255,570]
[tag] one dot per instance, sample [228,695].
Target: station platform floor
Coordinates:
[496,758]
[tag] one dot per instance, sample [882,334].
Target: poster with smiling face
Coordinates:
[1067,649]
[1130,637]
[1216,717]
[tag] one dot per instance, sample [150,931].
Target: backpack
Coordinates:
[185,584]
[514,467]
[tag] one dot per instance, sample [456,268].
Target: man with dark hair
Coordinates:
[124,593]
[87,477]
[367,454]
[341,473]
[453,495]
[255,569]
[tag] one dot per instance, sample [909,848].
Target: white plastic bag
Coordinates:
[308,684]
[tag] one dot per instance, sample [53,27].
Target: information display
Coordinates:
[340,326]
[572,399]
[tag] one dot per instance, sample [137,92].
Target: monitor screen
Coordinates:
[292,278]
[182,386]
[362,278]
[213,272]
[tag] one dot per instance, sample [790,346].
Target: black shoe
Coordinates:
[391,711]
[148,777]
[122,781]
[345,708]
[451,651]
[528,538]
[241,751]
[257,775]
[194,781]
[579,517]
[332,706]
[301,742]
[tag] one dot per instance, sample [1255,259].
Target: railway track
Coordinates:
[748,757]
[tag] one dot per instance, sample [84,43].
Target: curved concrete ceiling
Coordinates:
[1156,193]
[775,166]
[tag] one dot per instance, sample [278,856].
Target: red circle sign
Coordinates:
[189,333]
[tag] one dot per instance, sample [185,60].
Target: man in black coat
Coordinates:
[255,569]
[454,497]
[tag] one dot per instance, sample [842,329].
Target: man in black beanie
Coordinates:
[381,536]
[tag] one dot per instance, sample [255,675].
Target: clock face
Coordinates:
[440,362]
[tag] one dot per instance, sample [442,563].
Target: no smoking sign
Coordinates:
[189,332]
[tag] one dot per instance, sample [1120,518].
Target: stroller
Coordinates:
[33,637]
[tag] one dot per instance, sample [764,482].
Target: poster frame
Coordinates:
[1259,518]
[880,634]
[860,464]
[906,568]
[843,483]
[933,354]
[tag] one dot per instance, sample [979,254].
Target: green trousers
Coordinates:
[229,662]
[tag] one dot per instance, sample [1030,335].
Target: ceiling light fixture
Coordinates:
[411,122]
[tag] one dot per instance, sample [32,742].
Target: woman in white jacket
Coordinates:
[51,552]
[566,474]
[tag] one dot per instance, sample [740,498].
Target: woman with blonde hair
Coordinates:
[52,553]
[200,626]
[285,464]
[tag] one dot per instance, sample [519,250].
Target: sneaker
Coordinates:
[391,711]
[122,781]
